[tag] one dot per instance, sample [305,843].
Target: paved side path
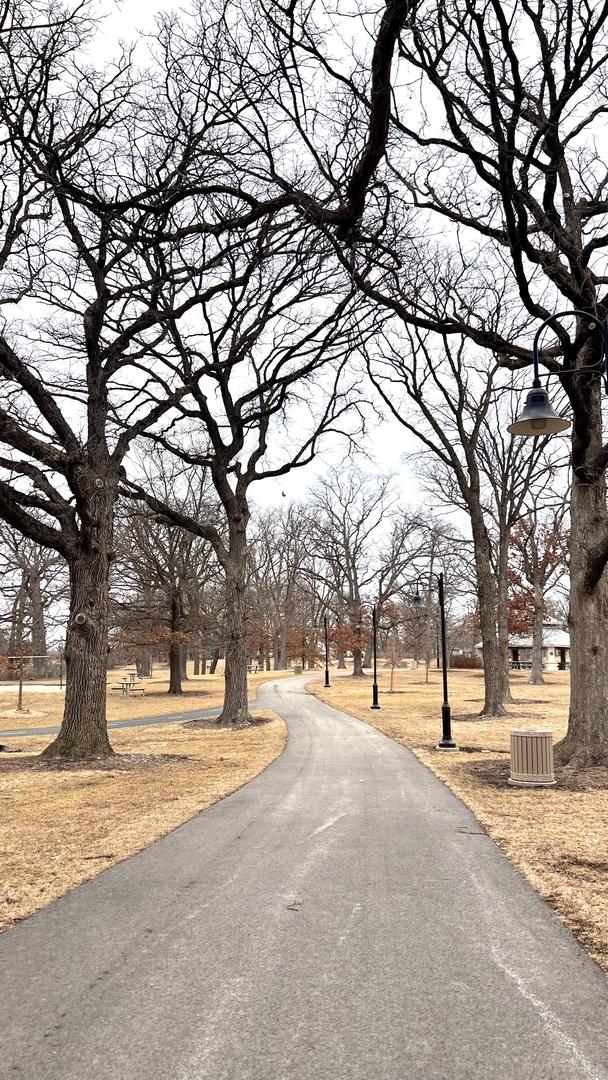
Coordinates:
[133,721]
[342,917]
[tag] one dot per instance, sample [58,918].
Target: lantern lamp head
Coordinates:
[538,416]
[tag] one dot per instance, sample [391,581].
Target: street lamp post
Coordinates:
[538,416]
[446,742]
[375,703]
[327,682]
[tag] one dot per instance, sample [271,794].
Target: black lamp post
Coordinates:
[327,682]
[446,742]
[538,416]
[375,703]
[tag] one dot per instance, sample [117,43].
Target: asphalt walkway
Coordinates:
[133,721]
[341,917]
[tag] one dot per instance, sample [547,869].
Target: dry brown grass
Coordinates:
[62,826]
[200,692]
[556,837]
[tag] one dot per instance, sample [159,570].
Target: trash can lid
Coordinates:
[530,731]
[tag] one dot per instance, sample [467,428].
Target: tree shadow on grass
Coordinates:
[496,774]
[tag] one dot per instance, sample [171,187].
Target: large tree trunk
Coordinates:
[358,671]
[144,664]
[235,712]
[184,662]
[502,611]
[83,731]
[15,641]
[586,741]
[341,660]
[280,655]
[175,648]
[536,676]
[493,651]
[175,670]
[38,626]
[214,661]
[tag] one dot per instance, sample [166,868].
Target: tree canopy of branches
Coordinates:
[455,405]
[273,382]
[107,177]
[498,189]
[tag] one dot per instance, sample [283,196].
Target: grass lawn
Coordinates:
[200,692]
[63,825]
[556,837]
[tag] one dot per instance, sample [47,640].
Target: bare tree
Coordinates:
[540,546]
[103,179]
[71,370]
[501,180]
[274,355]
[455,407]
[280,577]
[162,574]
[363,545]
[34,586]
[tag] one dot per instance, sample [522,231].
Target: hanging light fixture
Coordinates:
[538,417]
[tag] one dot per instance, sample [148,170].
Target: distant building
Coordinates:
[556,649]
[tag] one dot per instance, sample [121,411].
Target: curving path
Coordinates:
[133,721]
[342,917]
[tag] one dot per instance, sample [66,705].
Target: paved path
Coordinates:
[134,721]
[342,917]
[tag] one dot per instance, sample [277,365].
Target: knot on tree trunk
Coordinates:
[84,624]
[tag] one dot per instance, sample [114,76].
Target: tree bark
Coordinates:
[235,712]
[358,671]
[197,664]
[184,662]
[586,741]
[175,648]
[493,650]
[144,664]
[175,669]
[536,675]
[83,731]
[214,662]
[38,626]
[341,665]
[15,641]
[502,611]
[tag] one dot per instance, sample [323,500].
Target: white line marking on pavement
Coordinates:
[328,824]
[551,1021]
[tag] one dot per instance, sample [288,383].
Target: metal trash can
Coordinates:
[531,758]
